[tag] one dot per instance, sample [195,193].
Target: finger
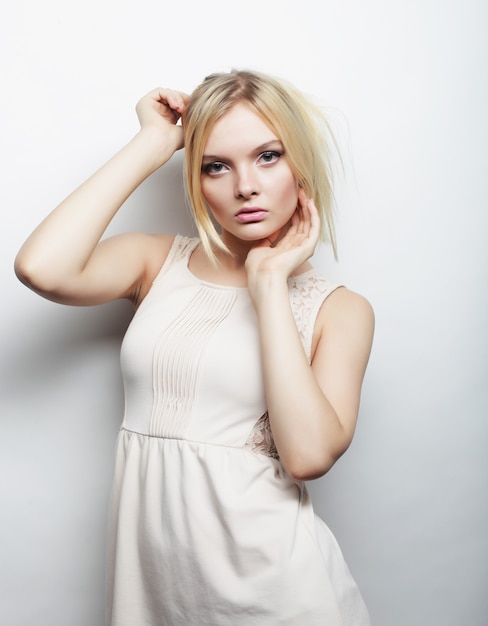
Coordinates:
[302,197]
[267,242]
[314,221]
[304,202]
[295,222]
[287,234]
[305,220]
[302,227]
[311,215]
[170,98]
[157,101]
[178,100]
[184,102]
[314,214]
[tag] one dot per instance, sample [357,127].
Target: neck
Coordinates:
[239,250]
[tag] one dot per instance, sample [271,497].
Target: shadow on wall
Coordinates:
[52,338]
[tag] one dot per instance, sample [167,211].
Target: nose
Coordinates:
[246,183]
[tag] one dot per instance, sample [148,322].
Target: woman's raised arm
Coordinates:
[63,259]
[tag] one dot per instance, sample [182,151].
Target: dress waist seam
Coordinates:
[182,439]
[245,448]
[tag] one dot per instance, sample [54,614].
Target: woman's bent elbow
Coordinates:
[32,276]
[27,273]
[22,271]
[305,467]
[313,459]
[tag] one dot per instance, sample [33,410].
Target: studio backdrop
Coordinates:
[404,84]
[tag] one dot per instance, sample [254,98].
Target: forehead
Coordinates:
[240,128]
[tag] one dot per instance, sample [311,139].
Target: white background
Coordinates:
[407,87]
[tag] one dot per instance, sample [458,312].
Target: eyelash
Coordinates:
[207,169]
[274,153]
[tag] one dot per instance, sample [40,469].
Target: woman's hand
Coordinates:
[279,256]
[160,111]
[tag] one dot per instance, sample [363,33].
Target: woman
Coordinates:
[242,366]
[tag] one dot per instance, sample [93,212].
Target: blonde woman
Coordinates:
[242,366]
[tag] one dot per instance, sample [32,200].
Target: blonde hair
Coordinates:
[299,124]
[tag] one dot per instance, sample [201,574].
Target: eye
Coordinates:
[270,156]
[215,168]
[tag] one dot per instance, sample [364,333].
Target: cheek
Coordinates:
[207,194]
[213,192]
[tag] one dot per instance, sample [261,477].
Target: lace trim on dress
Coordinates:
[307,294]
[260,441]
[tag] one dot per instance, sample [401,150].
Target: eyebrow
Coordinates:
[263,147]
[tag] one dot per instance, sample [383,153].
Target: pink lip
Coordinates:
[250,214]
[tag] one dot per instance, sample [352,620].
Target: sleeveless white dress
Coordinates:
[206,527]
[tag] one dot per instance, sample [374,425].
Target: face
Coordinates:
[246,179]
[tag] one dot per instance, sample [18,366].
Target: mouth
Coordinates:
[248,215]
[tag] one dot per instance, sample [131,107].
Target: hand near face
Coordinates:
[280,255]
[159,112]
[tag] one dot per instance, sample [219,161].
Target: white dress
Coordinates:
[206,527]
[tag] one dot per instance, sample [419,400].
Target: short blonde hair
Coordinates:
[300,125]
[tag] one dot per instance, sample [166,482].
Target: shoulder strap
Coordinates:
[181,248]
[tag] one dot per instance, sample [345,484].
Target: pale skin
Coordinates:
[313,407]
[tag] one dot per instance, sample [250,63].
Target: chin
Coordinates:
[255,231]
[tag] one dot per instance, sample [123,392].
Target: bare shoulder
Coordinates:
[156,248]
[344,305]
[346,317]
